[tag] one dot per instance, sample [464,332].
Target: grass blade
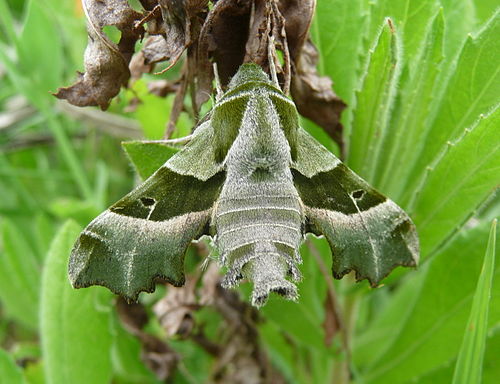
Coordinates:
[19,275]
[463,178]
[9,371]
[417,95]
[472,90]
[337,31]
[430,334]
[470,358]
[74,324]
[374,102]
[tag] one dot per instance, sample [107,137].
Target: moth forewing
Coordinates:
[143,237]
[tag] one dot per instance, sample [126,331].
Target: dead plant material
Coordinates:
[156,354]
[200,33]
[106,63]
[314,96]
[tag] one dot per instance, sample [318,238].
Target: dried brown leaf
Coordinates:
[314,96]
[138,66]
[259,31]
[155,50]
[162,88]
[106,63]
[156,354]
[223,39]
[298,15]
[331,324]
[180,23]
[175,310]
[176,24]
[149,5]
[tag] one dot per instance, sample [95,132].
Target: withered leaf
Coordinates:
[156,354]
[106,63]
[314,96]
[176,29]
[298,15]
[175,310]
[223,38]
[331,324]
[156,49]
[138,66]
[259,32]
[179,17]
[230,33]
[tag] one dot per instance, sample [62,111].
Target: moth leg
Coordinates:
[270,57]
[217,83]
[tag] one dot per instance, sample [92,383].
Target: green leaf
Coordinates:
[460,21]
[34,374]
[417,93]
[469,365]
[303,322]
[371,343]
[34,81]
[148,157]
[472,90]
[462,179]
[44,233]
[281,352]
[491,368]
[82,211]
[374,103]
[10,373]
[429,335]
[337,31]
[411,18]
[126,356]
[76,339]
[484,9]
[40,40]
[151,114]
[19,276]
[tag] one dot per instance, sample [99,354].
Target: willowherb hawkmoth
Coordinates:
[256,182]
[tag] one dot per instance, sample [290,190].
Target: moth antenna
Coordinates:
[270,58]
[217,83]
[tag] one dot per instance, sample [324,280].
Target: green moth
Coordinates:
[256,182]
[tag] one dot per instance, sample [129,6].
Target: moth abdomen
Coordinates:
[259,230]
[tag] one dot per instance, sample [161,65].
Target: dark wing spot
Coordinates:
[147,201]
[358,194]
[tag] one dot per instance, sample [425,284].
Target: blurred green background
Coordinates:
[422,125]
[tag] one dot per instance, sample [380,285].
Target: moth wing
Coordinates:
[312,157]
[198,157]
[144,236]
[367,232]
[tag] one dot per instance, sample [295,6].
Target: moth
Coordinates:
[256,182]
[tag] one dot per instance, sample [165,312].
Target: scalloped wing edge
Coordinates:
[128,255]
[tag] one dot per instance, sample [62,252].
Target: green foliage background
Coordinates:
[422,125]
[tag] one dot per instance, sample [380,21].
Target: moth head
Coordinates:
[249,72]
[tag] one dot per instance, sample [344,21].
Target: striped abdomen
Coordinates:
[259,230]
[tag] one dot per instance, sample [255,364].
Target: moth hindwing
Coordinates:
[257,182]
